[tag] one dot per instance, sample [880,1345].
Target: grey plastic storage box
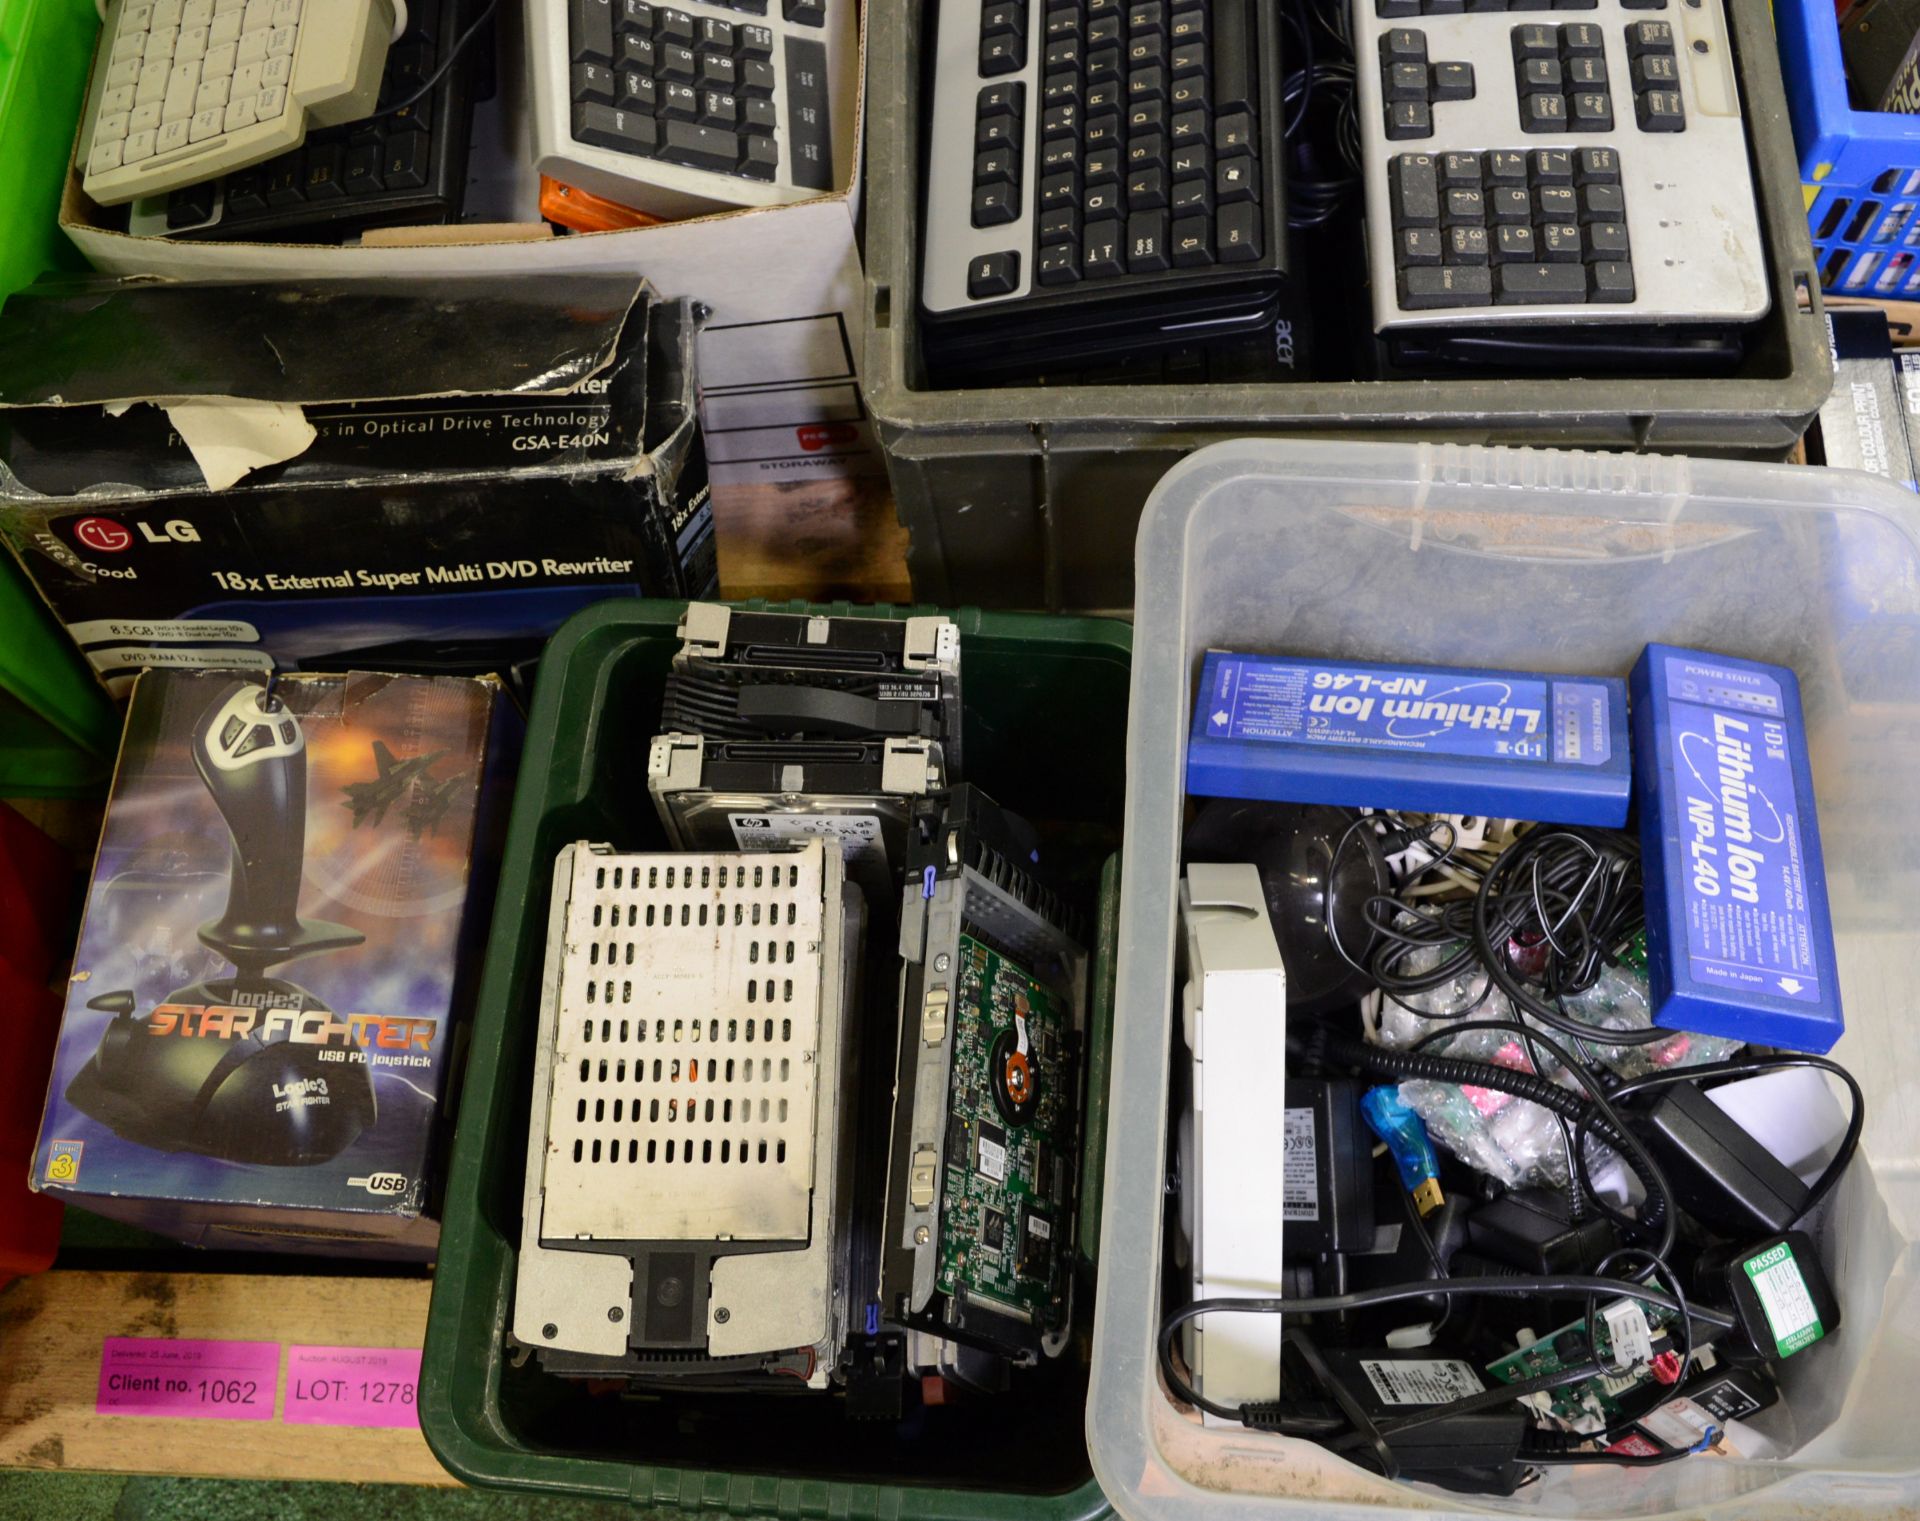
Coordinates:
[1028,497]
[1557,562]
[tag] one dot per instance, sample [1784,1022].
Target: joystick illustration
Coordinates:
[236,1067]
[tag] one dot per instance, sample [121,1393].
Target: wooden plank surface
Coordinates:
[52,1327]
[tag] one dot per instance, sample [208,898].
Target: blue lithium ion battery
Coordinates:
[1739,941]
[1432,739]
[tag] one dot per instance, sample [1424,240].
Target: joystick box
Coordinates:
[263,1023]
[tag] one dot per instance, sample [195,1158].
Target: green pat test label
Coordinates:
[1790,1311]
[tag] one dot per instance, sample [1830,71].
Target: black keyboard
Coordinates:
[406,168]
[1105,179]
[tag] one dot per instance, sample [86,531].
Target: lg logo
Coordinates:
[109,537]
[101,534]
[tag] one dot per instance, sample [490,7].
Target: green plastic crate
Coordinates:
[1046,714]
[57,729]
[45,49]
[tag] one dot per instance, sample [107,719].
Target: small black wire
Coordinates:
[432,81]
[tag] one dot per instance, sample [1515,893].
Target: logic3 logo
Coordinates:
[63,1161]
[102,534]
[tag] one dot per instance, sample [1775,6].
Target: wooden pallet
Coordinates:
[52,1327]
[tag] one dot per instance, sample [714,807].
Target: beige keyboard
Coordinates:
[187,90]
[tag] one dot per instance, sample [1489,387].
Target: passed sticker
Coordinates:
[1790,1310]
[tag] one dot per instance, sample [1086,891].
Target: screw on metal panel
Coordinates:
[722,1315]
[942,962]
[616,1314]
[549,1330]
[922,1236]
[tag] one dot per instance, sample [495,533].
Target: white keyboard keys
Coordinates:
[185,74]
[182,85]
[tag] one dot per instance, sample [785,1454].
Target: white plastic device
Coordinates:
[188,90]
[1234,1017]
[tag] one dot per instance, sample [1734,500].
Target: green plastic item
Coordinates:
[58,732]
[1046,714]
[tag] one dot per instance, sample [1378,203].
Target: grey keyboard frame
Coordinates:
[1697,248]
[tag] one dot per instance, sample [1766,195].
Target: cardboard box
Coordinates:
[436,475]
[286,916]
[783,286]
[1863,422]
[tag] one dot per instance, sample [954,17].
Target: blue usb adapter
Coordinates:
[1739,941]
[1432,739]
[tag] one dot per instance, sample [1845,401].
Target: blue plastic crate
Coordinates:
[1860,169]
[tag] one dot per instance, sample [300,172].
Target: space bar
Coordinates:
[1232,55]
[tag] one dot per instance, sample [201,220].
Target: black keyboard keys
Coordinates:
[1545,227]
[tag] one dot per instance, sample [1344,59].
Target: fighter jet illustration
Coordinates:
[371,800]
[431,803]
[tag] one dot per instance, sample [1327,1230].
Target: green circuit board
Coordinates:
[1006,1209]
[1596,1402]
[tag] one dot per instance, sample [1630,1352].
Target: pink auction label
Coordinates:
[198,1380]
[353,1386]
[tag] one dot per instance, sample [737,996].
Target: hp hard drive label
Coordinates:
[858,833]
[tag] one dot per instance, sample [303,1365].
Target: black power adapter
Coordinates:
[1531,1231]
[1718,1173]
[1384,1394]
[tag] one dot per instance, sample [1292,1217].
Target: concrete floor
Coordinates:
[105,1497]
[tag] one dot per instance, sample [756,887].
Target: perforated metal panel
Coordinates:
[686,1049]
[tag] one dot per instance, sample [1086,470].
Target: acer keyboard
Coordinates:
[1104,178]
[405,165]
[184,90]
[677,110]
[1536,168]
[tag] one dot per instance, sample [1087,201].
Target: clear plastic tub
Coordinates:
[1566,563]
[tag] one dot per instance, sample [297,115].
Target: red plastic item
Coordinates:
[35,881]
